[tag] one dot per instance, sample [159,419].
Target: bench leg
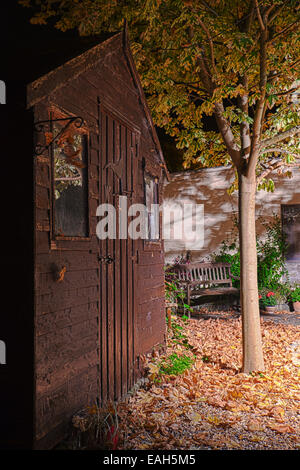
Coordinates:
[188,295]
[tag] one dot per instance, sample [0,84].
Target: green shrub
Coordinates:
[295,294]
[270,256]
[271,248]
[175,365]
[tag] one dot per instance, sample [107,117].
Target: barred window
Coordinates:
[70,190]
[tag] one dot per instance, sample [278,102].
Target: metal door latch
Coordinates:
[105,259]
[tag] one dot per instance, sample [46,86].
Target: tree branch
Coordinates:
[203,3]
[280,137]
[250,18]
[276,12]
[279,150]
[204,75]
[275,75]
[268,171]
[259,112]
[262,26]
[244,126]
[227,135]
[211,46]
[277,164]
[284,30]
[288,92]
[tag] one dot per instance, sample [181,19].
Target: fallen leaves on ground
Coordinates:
[213,405]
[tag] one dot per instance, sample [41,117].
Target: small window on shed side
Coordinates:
[151,196]
[70,183]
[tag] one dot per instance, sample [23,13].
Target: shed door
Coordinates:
[116,261]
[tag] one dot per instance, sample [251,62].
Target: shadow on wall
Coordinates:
[208,187]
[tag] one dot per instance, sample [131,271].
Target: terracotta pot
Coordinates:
[270,308]
[296,306]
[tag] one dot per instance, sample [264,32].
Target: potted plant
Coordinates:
[295,298]
[268,301]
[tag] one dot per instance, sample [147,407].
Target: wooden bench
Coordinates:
[201,279]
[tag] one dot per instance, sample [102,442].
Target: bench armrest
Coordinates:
[237,278]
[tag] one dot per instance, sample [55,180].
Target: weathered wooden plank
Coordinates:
[93,204]
[43,226]
[149,258]
[46,282]
[42,199]
[117,278]
[152,307]
[73,261]
[103,267]
[42,242]
[146,272]
[94,157]
[93,141]
[42,215]
[51,302]
[152,293]
[130,346]
[152,282]
[71,316]
[42,175]
[74,244]
[64,400]
[135,246]
[76,102]
[124,278]
[76,340]
[94,186]
[110,268]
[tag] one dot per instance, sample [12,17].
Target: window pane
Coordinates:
[70,184]
[151,192]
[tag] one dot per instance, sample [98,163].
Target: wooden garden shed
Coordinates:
[97,305]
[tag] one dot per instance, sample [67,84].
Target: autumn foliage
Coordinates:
[213,405]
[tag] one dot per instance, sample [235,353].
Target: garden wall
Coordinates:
[209,187]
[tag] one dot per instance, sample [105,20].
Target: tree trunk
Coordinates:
[252,343]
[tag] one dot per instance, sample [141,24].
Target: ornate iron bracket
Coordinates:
[43,126]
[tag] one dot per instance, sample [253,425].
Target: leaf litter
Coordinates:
[212,404]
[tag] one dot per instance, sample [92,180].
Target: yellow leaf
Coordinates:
[256,439]
[235,394]
[213,420]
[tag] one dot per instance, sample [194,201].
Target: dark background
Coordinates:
[29,51]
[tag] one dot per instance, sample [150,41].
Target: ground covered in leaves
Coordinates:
[195,396]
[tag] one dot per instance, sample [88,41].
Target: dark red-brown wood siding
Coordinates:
[91,328]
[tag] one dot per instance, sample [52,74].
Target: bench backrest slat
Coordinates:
[206,273]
